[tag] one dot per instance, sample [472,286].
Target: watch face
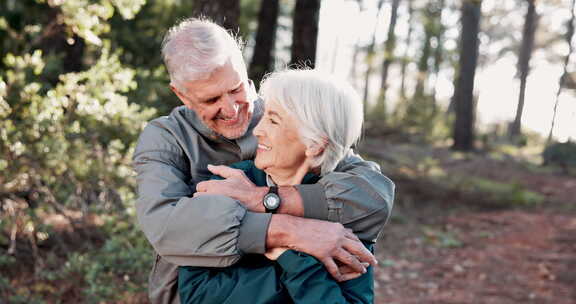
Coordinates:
[271,201]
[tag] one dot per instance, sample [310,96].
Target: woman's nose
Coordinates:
[258,132]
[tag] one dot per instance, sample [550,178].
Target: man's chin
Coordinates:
[233,133]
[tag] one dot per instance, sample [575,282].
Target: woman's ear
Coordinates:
[316,149]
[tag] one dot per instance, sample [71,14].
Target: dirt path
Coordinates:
[446,252]
[503,257]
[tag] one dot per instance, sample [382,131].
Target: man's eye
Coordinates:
[212,100]
[272,121]
[236,90]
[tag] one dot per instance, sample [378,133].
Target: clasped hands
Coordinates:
[338,248]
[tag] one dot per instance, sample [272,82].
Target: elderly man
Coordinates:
[173,159]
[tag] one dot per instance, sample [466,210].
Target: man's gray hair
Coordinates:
[193,48]
[328,109]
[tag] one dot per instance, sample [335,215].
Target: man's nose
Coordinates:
[229,106]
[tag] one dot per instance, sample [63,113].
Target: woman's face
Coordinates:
[279,144]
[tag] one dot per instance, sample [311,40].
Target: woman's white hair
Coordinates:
[328,109]
[193,48]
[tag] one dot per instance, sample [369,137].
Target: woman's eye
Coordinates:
[272,121]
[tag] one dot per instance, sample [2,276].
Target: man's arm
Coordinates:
[203,231]
[356,195]
[209,230]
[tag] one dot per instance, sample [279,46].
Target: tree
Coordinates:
[223,12]
[305,32]
[439,49]
[432,30]
[389,48]
[262,58]
[524,64]
[464,104]
[66,136]
[370,58]
[565,74]
[408,44]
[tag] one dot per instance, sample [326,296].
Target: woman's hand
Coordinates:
[274,253]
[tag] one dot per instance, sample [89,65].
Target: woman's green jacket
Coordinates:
[294,277]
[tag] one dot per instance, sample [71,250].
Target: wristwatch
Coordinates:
[271,200]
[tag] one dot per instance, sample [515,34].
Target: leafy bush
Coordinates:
[561,154]
[496,194]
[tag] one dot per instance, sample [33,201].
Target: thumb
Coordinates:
[223,171]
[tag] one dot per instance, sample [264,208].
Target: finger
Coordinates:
[345,269]
[350,276]
[202,186]
[224,171]
[197,194]
[350,235]
[332,269]
[352,261]
[360,252]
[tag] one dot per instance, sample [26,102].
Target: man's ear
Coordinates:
[182,98]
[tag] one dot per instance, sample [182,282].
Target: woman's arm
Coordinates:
[307,281]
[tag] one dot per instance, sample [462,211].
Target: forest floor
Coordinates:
[448,247]
[466,228]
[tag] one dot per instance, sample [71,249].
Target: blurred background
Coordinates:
[470,108]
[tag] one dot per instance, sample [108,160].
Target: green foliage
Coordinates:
[420,120]
[561,154]
[496,194]
[66,139]
[117,268]
[440,238]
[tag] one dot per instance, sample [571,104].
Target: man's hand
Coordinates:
[235,185]
[328,242]
[274,253]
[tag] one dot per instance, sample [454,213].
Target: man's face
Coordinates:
[221,101]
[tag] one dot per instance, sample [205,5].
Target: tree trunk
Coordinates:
[423,66]
[223,12]
[424,62]
[305,32]
[262,58]
[569,36]
[524,64]
[438,51]
[389,47]
[370,59]
[464,104]
[408,43]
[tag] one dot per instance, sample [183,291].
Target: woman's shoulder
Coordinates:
[256,175]
[245,165]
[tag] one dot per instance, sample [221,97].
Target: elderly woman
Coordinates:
[310,122]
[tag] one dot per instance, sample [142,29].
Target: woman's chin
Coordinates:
[258,163]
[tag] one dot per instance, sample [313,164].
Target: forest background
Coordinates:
[470,109]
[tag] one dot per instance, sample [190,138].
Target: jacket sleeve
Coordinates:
[210,231]
[356,194]
[307,281]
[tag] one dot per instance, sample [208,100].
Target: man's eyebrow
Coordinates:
[238,86]
[207,99]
